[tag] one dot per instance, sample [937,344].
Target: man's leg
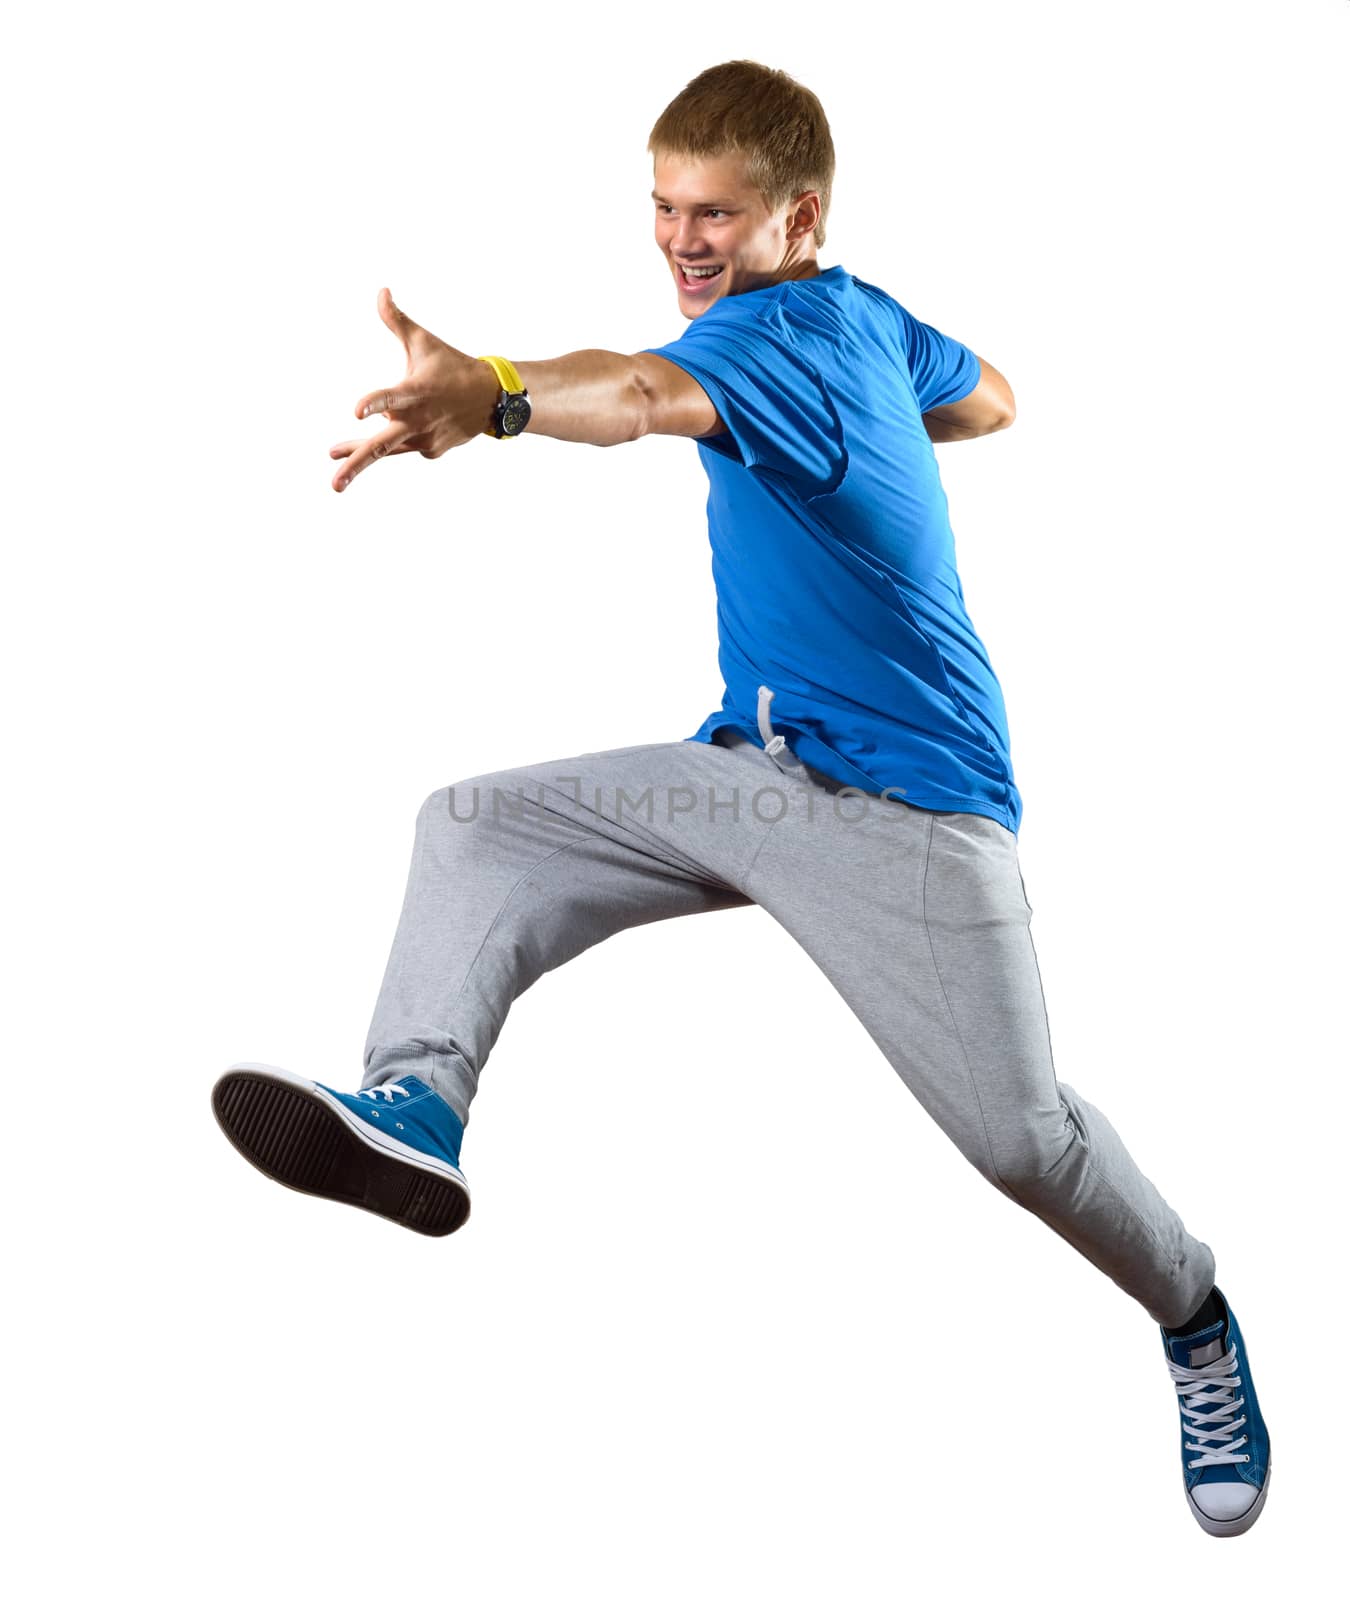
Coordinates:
[513,873]
[516,872]
[920,920]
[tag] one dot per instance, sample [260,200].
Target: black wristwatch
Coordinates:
[511,415]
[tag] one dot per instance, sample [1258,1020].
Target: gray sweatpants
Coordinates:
[919,919]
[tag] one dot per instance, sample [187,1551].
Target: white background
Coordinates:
[731,1317]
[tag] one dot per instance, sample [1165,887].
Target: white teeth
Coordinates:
[700,272]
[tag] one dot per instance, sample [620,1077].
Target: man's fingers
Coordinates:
[361,452]
[392,441]
[347,446]
[386,400]
[402,325]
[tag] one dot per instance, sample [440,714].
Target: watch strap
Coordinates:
[507,375]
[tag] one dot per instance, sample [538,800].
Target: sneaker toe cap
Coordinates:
[1224,1502]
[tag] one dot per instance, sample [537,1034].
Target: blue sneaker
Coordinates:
[393,1149]
[1225,1449]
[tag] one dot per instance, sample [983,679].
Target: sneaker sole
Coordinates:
[291,1131]
[1225,1530]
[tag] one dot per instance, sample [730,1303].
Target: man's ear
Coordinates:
[803,207]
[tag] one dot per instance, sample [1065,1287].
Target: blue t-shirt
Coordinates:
[832,551]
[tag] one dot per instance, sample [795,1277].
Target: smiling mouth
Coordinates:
[700,280]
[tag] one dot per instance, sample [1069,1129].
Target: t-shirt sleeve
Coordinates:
[778,414]
[943,369]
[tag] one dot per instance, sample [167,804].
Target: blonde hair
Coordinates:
[745,108]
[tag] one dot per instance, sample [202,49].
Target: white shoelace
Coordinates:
[388,1090]
[1215,1444]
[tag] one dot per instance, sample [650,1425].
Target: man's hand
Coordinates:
[446,398]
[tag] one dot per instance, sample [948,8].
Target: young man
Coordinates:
[857,775]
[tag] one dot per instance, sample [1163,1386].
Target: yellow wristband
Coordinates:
[507,375]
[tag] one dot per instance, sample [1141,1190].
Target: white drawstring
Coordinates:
[773,742]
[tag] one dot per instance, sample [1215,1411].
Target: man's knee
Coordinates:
[1030,1145]
[487,796]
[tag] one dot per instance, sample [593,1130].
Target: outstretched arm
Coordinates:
[447,397]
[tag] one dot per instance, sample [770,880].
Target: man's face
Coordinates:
[707,215]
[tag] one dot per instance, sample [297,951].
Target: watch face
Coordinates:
[515,414]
